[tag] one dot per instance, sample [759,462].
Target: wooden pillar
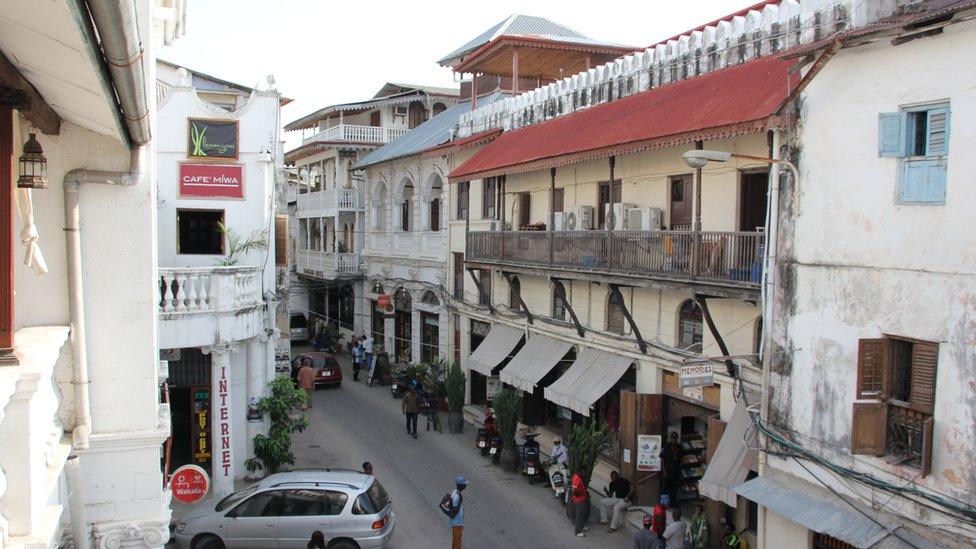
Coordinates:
[474,91]
[515,71]
[500,203]
[608,236]
[696,228]
[587,61]
[552,210]
[7,190]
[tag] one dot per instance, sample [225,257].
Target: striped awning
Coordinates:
[590,377]
[496,347]
[539,355]
[733,459]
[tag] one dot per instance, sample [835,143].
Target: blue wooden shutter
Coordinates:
[937,134]
[892,134]
[923,181]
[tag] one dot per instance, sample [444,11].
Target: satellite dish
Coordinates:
[571,221]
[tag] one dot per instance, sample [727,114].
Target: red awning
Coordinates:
[733,101]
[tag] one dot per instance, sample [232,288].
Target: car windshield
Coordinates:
[234,498]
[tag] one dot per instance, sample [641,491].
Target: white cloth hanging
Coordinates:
[33,257]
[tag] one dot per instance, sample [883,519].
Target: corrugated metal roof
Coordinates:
[820,511]
[742,96]
[520,25]
[431,133]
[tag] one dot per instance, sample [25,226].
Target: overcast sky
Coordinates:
[323,52]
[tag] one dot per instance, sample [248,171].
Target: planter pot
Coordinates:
[455,422]
[386,379]
[440,404]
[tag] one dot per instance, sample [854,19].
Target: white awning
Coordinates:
[496,347]
[539,355]
[588,379]
[732,460]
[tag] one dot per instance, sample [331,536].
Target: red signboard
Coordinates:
[211,181]
[189,484]
[383,301]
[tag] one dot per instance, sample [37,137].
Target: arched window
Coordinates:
[377,288]
[439,108]
[690,326]
[558,306]
[434,208]
[615,314]
[379,209]
[406,208]
[430,298]
[513,293]
[416,114]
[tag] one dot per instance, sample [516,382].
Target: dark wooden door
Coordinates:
[524,205]
[752,200]
[682,200]
[417,114]
[374,119]
[608,194]
[640,414]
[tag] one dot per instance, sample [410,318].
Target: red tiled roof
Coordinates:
[472,140]
[732,101]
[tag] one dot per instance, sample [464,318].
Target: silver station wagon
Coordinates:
[282,511]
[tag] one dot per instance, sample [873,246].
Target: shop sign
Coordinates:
[493,386]
[212,138]
[383,302]
[696,375]
[223,422]
[694,393]
[211,181]
[648,452]
[200,429]
[189,484]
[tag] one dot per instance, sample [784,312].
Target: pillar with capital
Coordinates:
[222,411]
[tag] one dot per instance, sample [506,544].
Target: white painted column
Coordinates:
[465,351]
[389,339]
[256,381]
[445,333]
[416,328]
[223,413]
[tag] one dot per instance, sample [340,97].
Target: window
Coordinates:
[265,504]
[920,137]
[558,305]
[198,232]
[406,209]
[459,275]
[690,326]
[304,503]
[464,189]
[435,214]
[896,399]
[489,197]
[484,296]
[439,108]
[559,200]
[615,313]
[513,295]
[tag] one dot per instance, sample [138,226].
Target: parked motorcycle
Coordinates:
[485,432]
[531,462]
[399,386]
[495,446]
[558,476]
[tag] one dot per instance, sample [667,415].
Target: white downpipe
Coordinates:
[72,222]
[79,519]
[769,279]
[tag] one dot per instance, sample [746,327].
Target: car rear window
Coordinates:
[378,495]
[298,321]
[371,501]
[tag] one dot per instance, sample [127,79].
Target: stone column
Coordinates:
[445,335]
[256,382]
[222,411]
[416,329]
[389,331]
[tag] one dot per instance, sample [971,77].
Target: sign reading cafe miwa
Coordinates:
[207,138]
[211,181]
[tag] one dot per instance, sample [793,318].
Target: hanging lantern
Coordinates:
[33,166]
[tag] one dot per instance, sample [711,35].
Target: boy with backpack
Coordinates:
[452,505]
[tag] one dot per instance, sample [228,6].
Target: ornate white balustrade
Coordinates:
[328,202]
[354,132]
[327,265]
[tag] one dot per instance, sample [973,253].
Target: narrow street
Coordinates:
[355,423]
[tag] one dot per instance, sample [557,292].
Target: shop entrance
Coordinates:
[190,396]
[403,326]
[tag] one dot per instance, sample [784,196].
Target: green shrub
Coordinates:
[506,404]
[454,385]
[585,443]
[273,450]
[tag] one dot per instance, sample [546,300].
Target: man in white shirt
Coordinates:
[674,534]
[560,453]
[367,343]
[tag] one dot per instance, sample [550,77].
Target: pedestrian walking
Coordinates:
[671,462]
[698,529]
[317,541]
[613,507]
[645,538]
[674,534]
[659,515]
[306,381]
[452,505]
[369,361]
[411,408]
[357,354]
[580,499]
[368,468]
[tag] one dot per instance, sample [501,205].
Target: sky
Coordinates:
[323,52]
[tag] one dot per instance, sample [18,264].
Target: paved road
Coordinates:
[353,423]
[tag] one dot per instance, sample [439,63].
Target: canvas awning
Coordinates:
[496,347]
[539,355]
[733,458]
[589,378]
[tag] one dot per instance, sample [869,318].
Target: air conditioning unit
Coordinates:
[559,221]
[645,219]
[495,225]
[579,218]
[618,220]
[400,110]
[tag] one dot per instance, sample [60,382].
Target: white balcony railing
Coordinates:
[354,132]
[328,200]
[326,264]
[428,245]
[209,289]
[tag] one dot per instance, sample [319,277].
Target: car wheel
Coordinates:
[208,542]
[343,545]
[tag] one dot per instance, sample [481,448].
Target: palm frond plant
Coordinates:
[585,442]
[238,246]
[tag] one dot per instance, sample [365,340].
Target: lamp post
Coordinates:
[699,158]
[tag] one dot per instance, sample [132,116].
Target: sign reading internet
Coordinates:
[211,181]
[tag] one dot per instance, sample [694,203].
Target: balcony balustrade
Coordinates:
[327,265]
[729,258]
[357,133]
[329,200]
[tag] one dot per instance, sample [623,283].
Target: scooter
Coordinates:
[485,432]
[531,464]
[399,386]
[495,446]
[558,475]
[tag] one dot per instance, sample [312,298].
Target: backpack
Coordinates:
[447,507]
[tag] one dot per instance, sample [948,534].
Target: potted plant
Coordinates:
[383,368]
[272,451]
[506,404]
[455,388]
[585,442]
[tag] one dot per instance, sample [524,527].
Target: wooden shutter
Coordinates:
[925,359]
[893,134]
[281,240]
[558,200]
[927,431]
[868,428]
[937,132]
[923,181]
[873,366]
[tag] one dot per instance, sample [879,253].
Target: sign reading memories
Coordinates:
[212,138]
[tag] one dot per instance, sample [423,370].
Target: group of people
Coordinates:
[362,357]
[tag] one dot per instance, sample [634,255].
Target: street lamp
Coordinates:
[698,158]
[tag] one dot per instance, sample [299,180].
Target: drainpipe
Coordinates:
[769,281]
[72,183]
[76,502]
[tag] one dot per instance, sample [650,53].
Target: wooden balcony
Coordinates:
[353,132]
[328,265]
[724,258]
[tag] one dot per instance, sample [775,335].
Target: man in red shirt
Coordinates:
[306,381]
[580,497]
[659,516]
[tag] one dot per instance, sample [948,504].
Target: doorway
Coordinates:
[682,193]
[752,200]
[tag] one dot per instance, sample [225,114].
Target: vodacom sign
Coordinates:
[189,484]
